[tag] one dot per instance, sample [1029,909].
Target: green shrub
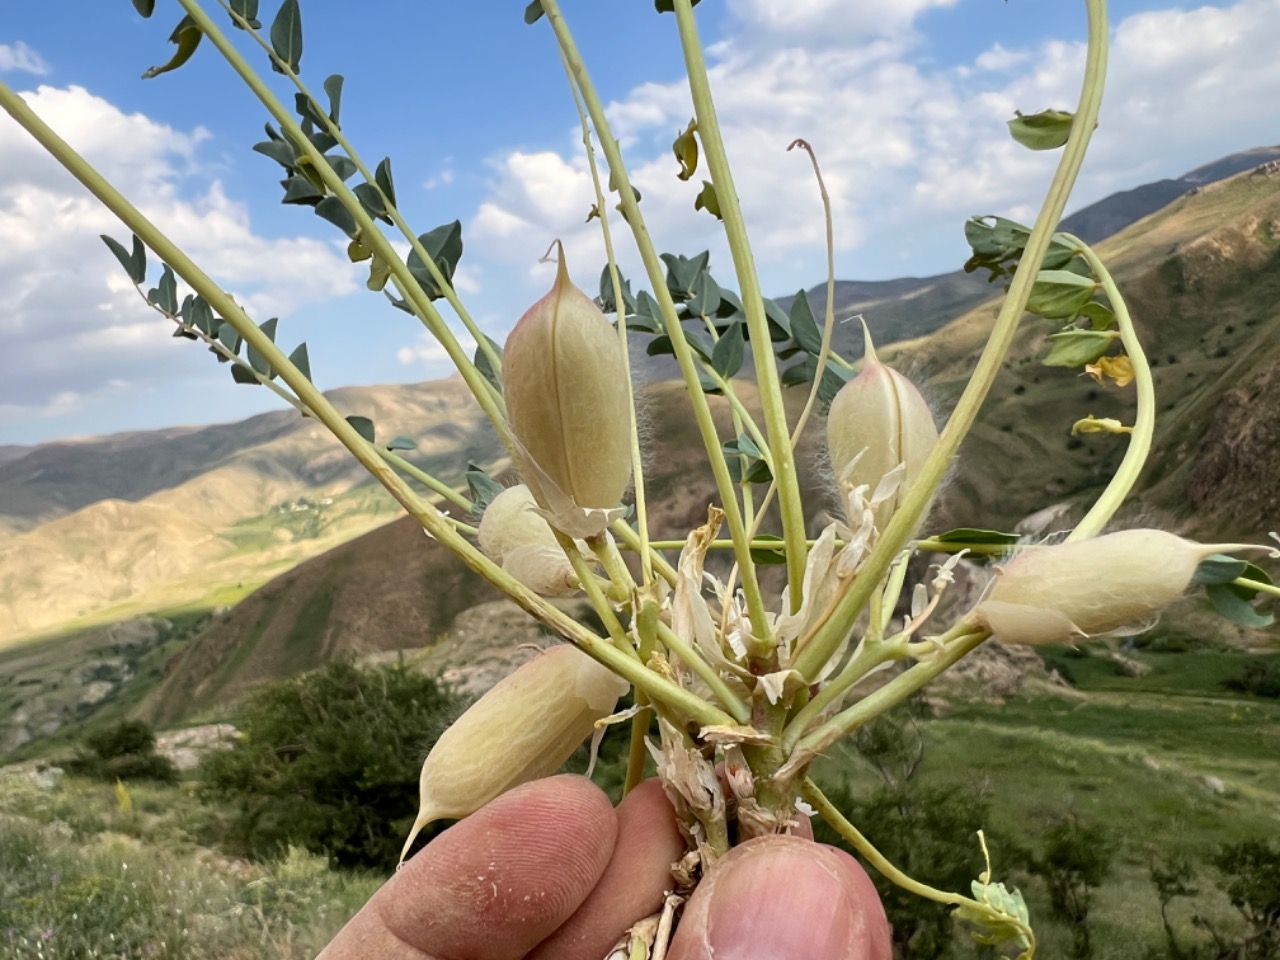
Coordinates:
[330,761]
[124,751]
[1076,859]
[1259,678]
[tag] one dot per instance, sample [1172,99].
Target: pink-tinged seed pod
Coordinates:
[880,415]
[1065,591]
[565,383]
[524,728]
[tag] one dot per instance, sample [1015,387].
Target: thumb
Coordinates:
[780,898]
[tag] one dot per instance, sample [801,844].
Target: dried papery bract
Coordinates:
[880,420]
[1062,592]
[524,728]
[565,382]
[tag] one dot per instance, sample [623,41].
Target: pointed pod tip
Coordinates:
[869,347]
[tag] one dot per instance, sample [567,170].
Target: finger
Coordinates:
[494,885]
[633,884]
[776,898]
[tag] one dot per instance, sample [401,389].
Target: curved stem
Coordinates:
[830,813]
[654,270]
[832,629]
[735,228]
[1144,424]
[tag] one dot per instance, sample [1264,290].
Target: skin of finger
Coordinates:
[783,897]
[496,884]
[634,883]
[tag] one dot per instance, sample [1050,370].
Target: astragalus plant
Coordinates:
[759,684]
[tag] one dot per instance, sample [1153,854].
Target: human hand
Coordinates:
[551,870]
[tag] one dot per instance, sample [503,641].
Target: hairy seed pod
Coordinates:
[1062,592]
[510,521]
[565,383]
[544,570]
[524,728]
[880,419]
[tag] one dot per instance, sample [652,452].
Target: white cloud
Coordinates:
[75,331]
[427,351]
[19,58]
[908,148]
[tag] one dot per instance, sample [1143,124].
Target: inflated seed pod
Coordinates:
[880,415]
[524,728]
[510,521]
[566,389]
[1065,591]
[544,570]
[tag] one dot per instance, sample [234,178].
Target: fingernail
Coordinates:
[779,903]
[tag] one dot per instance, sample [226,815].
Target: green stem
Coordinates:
[591,586]
[405,282]
[799,745]
[694,660]
[1268,588]
[833,628]
[1144,425]
[866,659]
[632,541]
[775,415]
[654,269]
[646,623]
[428,481]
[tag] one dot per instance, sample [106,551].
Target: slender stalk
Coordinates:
[428,481]
[694,660]
[832,628]
[405,282]
[735,226]
[620,307]
[335,131]
[654,270]
[629,668]
[631,541]
[591,586]
[1268,588]
[801,746]
[830,813]
[1144,424]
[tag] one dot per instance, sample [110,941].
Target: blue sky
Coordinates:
[904,102]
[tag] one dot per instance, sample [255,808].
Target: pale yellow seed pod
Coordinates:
[565,384]
[1065,591]
[544,570]
[524,728]
[510,521]
[881,416]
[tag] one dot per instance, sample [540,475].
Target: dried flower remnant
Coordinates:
[569,408]
[524,728]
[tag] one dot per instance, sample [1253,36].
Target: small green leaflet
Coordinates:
[1046,130]
[804,329]
[767,555]
[286,36]
[145,7]
[403,443]
[1075,348]
[383,178]
[1219,568]
[242,374]
[135,263]
[1060,294]
[1233,600]
[165,294]
[728,353]
[481,360]
[362,426]
[301,360]
[707,200]
[187,36]
[259,362]
[444,246]
[533,12]
[483,488]
[333,88]
[248,10]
